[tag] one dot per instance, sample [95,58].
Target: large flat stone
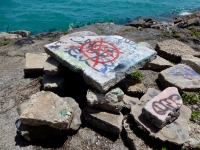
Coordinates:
[105,121]
[181,76]
[163,108]
[47,108]
[103,60]
[52,66]
[193,62]
[173,49]
[35,62]
[81,33]
[129,101]
[111,101]
[176,132]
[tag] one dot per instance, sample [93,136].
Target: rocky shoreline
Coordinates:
[175,43]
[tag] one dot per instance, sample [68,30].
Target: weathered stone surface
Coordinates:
[53,83]
[81,33]
[158,64]
[103,60]
[163,108]
[52,67]
[36,132]
[105,121]
[111,101]
[193,62]
[7,36]
[181,76]
[145,44]
[176,132]
[133,87]
[35,62]
[47,108]
[173,50]
[129,101]
[23,33]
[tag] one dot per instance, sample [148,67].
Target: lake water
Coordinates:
[46,15]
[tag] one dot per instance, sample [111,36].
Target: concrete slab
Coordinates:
[103,60]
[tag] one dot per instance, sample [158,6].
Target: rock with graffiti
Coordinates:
[103,60]
[181,76]
[163,108]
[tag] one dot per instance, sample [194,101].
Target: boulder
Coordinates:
[111,101]
[52,67]
[105,121]
[23,33]
[176,132]
[158,64]
[7,36]
[35,62]
[129,101]
[102,60]
[181,76]
[53,83]
[163,108]
[193,62]
[173,49]
[81,33]
[47,108]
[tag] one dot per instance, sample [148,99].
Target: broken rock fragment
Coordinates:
[163,108]
[52,67]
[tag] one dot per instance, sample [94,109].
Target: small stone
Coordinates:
[176,132]
[35,62]
[52,67]
[158,64]
[163,108]
[181,76]
[8,36]
[53,83]
[173,50]
[47,108]
[129,101]
[23,33]
[105,121]
[193,62]
[111,101]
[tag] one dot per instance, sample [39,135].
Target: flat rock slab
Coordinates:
[163,108]
[129,101]
[193,62]
[158,64]
[35,62]
[181,76]
[111,101]
[105,121]
[53,83]
[176,132]
[81,33]
[173,49]
[47,108]
[103,60]
[52,66]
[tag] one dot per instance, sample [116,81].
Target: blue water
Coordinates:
[44,15]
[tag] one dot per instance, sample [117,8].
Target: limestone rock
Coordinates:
[163,108]
[181,76]
[158,64]
[173,50]
[133,87]
[106,68]
[53,83]
[47,108]
[105,121]
[193,62]
[7,36]
[23,33]
[81,33]
[111,101]
[129,101]
[52,67]
[35,62]
[176,132]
